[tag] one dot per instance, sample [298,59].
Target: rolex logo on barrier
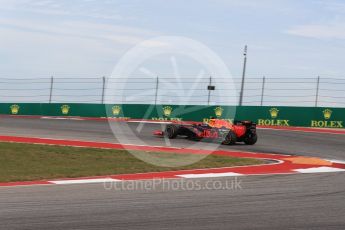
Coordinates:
[14,109]
[167,110]
[327,113]
[65,109]
[116,110]
[326,123]
[218,111]
[274,112]
[273,121]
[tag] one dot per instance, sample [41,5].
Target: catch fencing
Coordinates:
[258,91]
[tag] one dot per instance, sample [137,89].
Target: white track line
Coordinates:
[302,131]
[63,118]
[151,122]
[336,161]
[84,181]
[209,175]
[319,170]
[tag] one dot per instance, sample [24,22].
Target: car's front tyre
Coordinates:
[230,138]
[171,131]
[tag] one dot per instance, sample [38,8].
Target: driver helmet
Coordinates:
[212,121]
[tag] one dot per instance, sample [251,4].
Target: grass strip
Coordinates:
[26,162]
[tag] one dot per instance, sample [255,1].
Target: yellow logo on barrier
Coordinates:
[218,111]
[274,112]
[327,113]
[167,110]
[65,109]
[116,110]
[14,109]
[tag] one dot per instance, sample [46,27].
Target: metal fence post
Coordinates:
[103,89]
[156,93]
[317,91]
[209,92]
[51,89]
[243,75]
[263,90]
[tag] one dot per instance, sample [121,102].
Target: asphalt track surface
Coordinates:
[302,201]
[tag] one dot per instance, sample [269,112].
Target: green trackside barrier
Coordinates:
[41,109]
[171,112]
[293,116]
[262,115]
[21,109]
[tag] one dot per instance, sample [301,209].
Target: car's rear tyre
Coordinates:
[230,139]
[251,140]
[171,131]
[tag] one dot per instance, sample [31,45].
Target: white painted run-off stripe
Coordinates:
[319,170]
[84,181]
[63,118]
[151,122]
[336,161]
[209,175]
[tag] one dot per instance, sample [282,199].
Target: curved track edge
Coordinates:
[283,164]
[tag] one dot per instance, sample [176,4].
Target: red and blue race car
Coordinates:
[226,132]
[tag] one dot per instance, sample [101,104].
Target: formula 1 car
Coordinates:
[220,130]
